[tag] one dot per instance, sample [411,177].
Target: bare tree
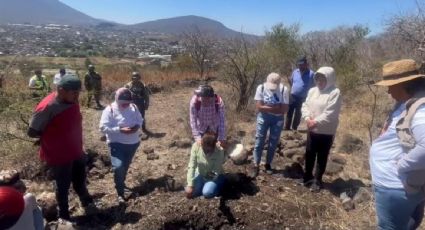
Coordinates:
[200,46]
[244,66]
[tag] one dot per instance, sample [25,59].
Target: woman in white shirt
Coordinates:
[397,160]
[120,122]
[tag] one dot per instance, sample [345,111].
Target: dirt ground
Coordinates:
[157,200]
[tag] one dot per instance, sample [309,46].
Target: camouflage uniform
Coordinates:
[140,97]
[40,86]
[93,84]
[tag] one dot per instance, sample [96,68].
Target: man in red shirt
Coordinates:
[57,122]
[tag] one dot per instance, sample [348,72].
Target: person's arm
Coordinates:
[415,159]
[331,112]
[305,110]
[39,120]
[222,123]
[107,124]
[138,118]
[191,168]
[193,117]
[146,96]
[87,82]
[218,167]
[32,84]
[261,107]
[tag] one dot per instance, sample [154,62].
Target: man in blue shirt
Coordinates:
[301,81]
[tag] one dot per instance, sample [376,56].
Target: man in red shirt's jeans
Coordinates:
[57,121]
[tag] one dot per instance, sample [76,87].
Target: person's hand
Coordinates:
[199,141]
[189,192]
[222,144]
[135,128]
[311,124]
[37,142]
[126,130]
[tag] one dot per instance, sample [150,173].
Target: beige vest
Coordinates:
[415,180]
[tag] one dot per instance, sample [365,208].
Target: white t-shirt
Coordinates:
[57,78]
[275,97]
[386,151]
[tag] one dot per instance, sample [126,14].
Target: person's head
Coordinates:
[62,71]
[12,178]
[302,63]
[69,88]
[325,77]
[91,68]
[135,76]
[403,79]
[208,142]
[206,94]
[37,72]
[272,82]
[12,205]
[123,98]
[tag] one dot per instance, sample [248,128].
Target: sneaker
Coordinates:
[304,182]
[316,187]
[121,200]
[268,169]
[91,208]
[67,223]
[127,193]
[253,171]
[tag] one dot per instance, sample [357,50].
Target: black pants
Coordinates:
[318,146]
[75,173]
[294,107]
[140,103]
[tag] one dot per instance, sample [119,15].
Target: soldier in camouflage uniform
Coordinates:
[93,84]
[140,96]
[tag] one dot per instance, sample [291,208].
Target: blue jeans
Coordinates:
[207,188]
[38,219]
[121,157]
[397,210]
[265,122]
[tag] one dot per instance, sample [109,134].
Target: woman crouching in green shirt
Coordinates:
[205,170]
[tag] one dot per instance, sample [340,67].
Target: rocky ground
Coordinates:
[157,178]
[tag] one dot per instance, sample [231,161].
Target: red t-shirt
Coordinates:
[60,125]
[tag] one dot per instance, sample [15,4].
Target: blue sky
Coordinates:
[252,16]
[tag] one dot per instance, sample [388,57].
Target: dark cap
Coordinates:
[205,91]
[70,82]
[91,67]
[62,70]
[135,75]
[302,60]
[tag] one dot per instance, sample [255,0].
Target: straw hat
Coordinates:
[399,71]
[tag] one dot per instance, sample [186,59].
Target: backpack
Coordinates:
[217,102]
[414,181]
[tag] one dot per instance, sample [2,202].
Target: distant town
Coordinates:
[53,40]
